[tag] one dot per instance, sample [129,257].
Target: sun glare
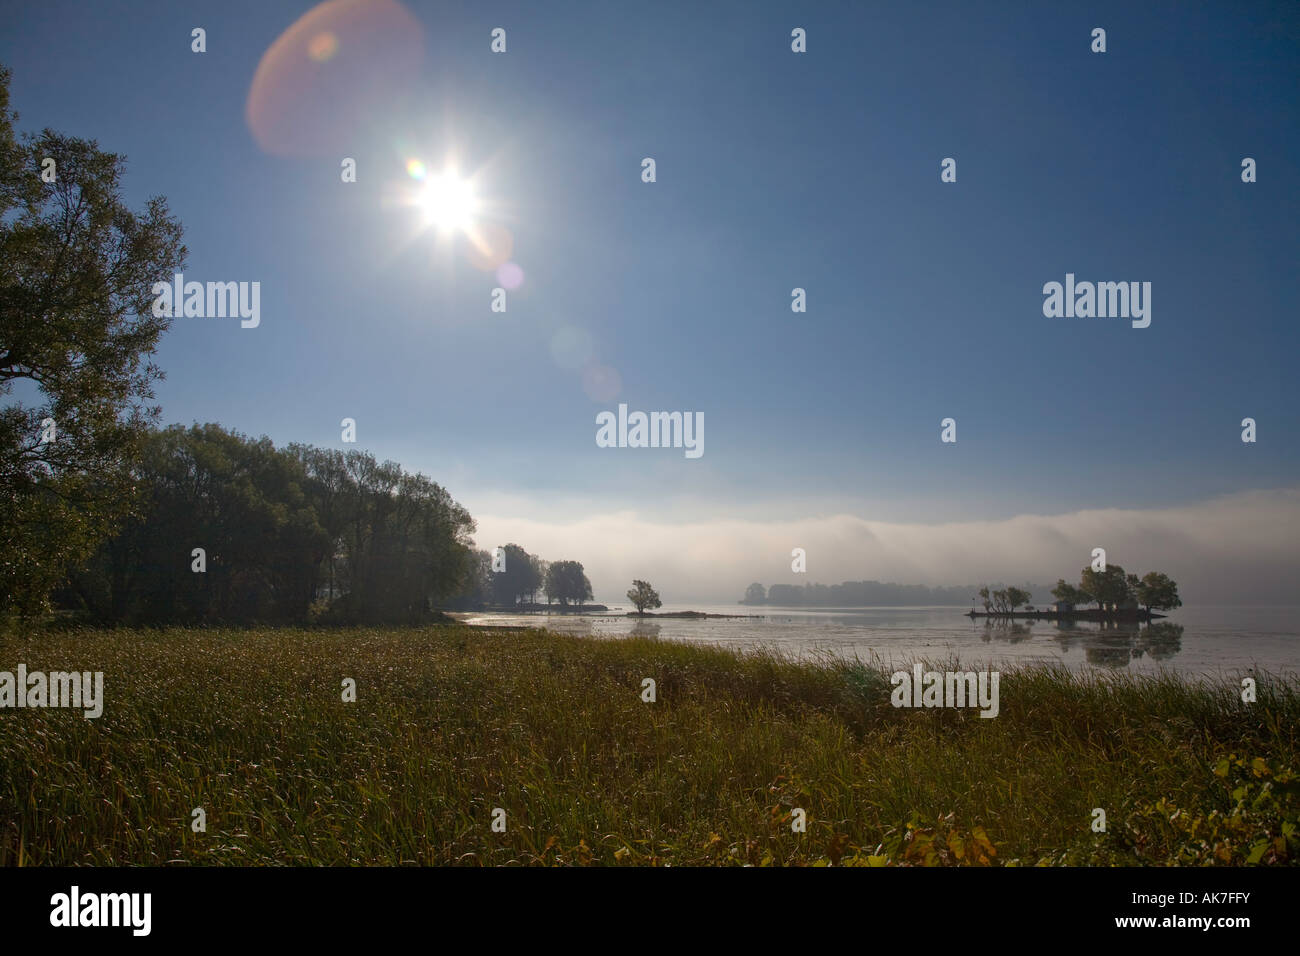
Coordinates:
[448,202]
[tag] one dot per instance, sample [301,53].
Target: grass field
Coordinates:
[452,722]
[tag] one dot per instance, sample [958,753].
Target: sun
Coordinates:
[448,202]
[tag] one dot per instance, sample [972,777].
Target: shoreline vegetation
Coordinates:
[867,594]
[1124,615]
[450,723]
[691,615]
[536,608]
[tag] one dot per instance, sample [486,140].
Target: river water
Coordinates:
[1203,640]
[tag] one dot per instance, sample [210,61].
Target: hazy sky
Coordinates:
[775,170]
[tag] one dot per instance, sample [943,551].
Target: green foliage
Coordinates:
[1259,825]
[1156,591]
[643,596]
[942,843]
[288,535]
[1003,600]
[239,500]
[396,543]
[476,590]
[521,578]
[1016,597]
[76,273]
[1107,587]
[566,581]
[1069,594]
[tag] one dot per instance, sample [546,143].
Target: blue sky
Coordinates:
[775,170]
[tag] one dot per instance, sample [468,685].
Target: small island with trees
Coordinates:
[643,596]
[1118,597]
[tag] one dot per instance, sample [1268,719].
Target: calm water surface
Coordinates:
[1195,640]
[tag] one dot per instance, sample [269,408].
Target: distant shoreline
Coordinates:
[599,609]
[1091,614]
[540,609]
[691,614]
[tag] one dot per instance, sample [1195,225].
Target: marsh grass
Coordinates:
[451,722]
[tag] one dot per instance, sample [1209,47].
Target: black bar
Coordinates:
[330,906]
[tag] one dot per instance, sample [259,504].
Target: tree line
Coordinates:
[226,528]
[1110,587]
[510,576]
[230,529]
[1154,591]
[857,594]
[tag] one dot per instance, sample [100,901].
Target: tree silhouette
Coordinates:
[643,596]
[77,268]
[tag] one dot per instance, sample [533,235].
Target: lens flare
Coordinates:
[333,75]
[510,275]
[490,246]
[415,169]
[448,202]
[323,46]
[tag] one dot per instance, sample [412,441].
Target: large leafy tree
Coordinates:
[1003,600]
[1106,587]
[522,576]
[396,542]
[279,529]
[242,502]
[77,268]
[642,595]
[476,590]
[330,489]
[1157,591]
[566,581]
[1015,597]
[1069,594]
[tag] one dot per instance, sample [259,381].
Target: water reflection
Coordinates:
[1005,630]
[1117,645]
[1206,641]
